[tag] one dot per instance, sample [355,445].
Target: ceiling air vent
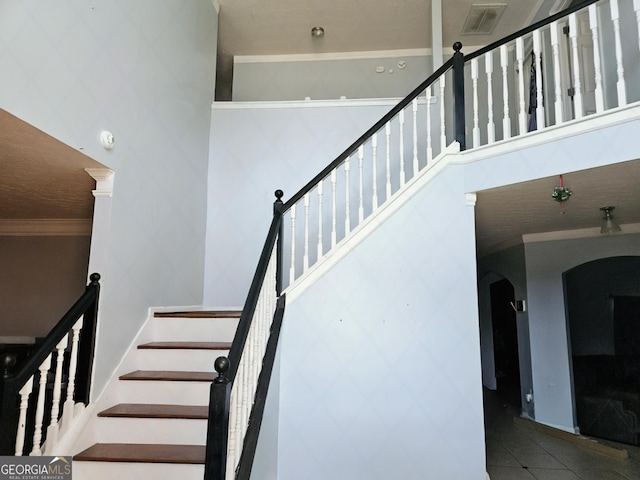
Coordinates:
[482,19]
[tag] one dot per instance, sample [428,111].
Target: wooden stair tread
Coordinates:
[186,345]
[144,453]
[200,314]
[148,410]
[169,375]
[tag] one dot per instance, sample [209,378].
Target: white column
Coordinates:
[104,178]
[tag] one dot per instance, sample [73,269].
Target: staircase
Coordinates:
[152,417]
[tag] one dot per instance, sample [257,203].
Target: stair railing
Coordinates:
[562,68]
[63,363]
[235,411]
[573,59]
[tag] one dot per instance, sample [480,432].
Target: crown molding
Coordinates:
[46,227]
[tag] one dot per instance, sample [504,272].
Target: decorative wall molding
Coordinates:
[46,227]
[104,181]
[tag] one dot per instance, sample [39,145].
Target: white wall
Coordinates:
[380,360]
[330,76]
[145,71]
[255,150]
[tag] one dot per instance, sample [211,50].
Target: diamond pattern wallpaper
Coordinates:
[145,71]
[255,150]
[380,363]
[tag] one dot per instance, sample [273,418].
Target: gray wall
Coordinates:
[322,77]
[40,278]
[145,71]
[380,370]
[256,149]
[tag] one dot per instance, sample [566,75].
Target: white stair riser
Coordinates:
[172,431]
[194,329]
[186,360]
[135,471]
[170,392]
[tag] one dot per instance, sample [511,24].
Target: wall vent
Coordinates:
[482,18]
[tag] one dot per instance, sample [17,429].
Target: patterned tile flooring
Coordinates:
[515,451]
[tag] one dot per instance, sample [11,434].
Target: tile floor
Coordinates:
[515,452]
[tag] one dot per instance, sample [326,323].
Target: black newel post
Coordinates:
[215,463]
[8,405]
[277,210]
[458,95]
[86,346]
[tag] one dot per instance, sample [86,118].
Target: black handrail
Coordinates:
[529,29]
[219,399]
[366,135]
[12,382]
[244,324]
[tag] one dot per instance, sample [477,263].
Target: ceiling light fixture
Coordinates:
[608,225]
[317,32]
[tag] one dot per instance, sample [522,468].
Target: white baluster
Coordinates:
[504,63]
[347,218]
[387,130]
[474,79]
[522,111]
[491,126]
[593,24]
[69,404]
[555,47]
[537,50]
[443,128]
[37,434]
[305,258]
[320,253]
[429,146]
[401,133]
[577,84]
[52,429]
[636,7]
[622,89]
[374,169]
[416,165]
[233,431]
[25,392]
[334,234]
[360,184]
[292,268]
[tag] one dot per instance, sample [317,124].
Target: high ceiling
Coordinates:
[41,177]
[281,27]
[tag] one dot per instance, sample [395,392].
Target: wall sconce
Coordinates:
[608,225]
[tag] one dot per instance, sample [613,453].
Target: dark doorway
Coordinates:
[505,342]
[603,311]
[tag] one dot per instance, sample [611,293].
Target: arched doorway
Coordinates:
[603,314]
